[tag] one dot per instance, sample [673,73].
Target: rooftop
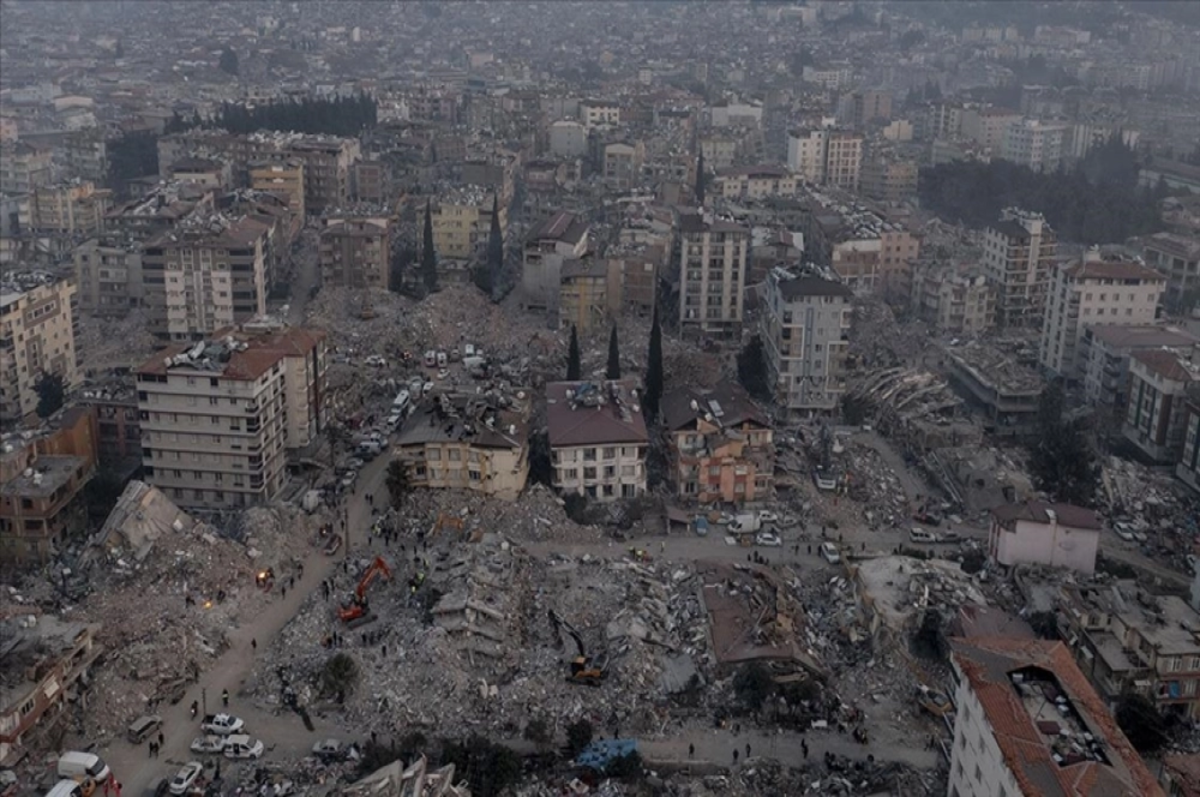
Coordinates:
[24,648]
[1113,270]
[47,474]
[725,404]
[1075,517]
[562,226]
[797,287]
[1168,364]
[1141,337]
[480,421]
[16,284]
[1053,730]
[594,413]
[233,353]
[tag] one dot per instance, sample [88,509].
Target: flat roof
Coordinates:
[250,356]
[1140,337]
[1076,517]
[49,472]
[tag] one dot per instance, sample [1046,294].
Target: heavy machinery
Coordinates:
[585,670]
[357,609]
[443,520]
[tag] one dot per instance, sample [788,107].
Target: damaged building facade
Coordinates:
[1036,532]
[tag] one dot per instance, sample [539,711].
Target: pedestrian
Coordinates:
[118,788]
[747,749]
[225,698]
[662,546]
[151,750]
[804,747]
[292,582]
[810,549]
[691,750]
[735,753]
[374,739]
[254,644]
[282,593]
[160,740]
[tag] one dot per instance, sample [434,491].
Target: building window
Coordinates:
[610,453]
[589,455]
[589,473]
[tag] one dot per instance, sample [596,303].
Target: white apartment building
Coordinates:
[1094,291]
[826,157]
[38,319]
[712,265]
[1035,144]
[1161,382]
[205,275]
[1017,256]
[987,126]
[805,331]
[1188,469]
[598,439]
[218,417]
[754,182]
[109,275]
[568,139]
[594,113]
[1028,724]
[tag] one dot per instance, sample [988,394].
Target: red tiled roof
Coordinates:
[592,425]
[1113,270]
[1184,771]
[1165,363]
[263,352]
[986,663]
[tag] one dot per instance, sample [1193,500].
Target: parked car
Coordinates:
[333,544]
[394,420]
[242,746]
[142,727]
[222,724]
[329,751]
[186,777]
[923,536]
[376,361]
[210,744]
[768,539]
[768,517]
[829,553]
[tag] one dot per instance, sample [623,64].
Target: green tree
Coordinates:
[1146,727]
[429,273]
[574,365]
[613,371]
[654,371]
[51,392]
[339,676]
[579,736]
[490,769]
[700,180]
[753,685]
[1060,460]
[398,481]
[752,369]
[487,276]
[229,62]
[1044,624]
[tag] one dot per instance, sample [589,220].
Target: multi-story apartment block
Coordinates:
[327,163]
[622,164]
[594,113]
[754,182]
[218,417]
[568,139]
[1188,469]
[583,299]
[805,331]
[636,270]
[713,258]
[598,439]
[108,271]
[954,303]
[1034,144]
[719,151]
[85,155]
[1039,533]
[284,178]
[1093,291]
[462,220]
[201,277]
[1177,257]
[559,237]
[876,257]
[889,179]
[827,157]
[1161,382]
[38,320]
[721,445]
[160,210]
[24,167]
[467,442]
[858,108]
[356,252]
[1104,359]
[206,173]
[1028,724]
[1017,257]
[75,208]
[987,126]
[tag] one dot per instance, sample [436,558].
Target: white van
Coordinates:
[65,788]
[829,553]
[82,765]
[921,535]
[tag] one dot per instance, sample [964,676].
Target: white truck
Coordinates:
[745,523]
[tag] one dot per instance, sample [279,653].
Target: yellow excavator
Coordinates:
[585,670]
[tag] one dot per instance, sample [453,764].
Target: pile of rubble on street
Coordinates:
[115,342]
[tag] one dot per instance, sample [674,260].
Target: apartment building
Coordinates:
[595,113]
[953,302]
[874,256]
[598,439]
[634,270]
[467,442]
[284,178]
[204,275]
[988,126]
[1041,533]
[826,157]
[1035,144]
[1161,383]
[1027,723]
[41,477]
[860,107]
[108,271]
[219,416]
[583,299]
[622,164]
[568,139]
[24,167]
[1018,253]
[1093,291]
[1177,257]
[559,237]
[38,325]
[713,259]
[204,172]
[158,211]
[356,251]
[889,179]
[75,208]
[1188,469]
[720,444]
[462,220]
[327,162]
[1104,353]
[805,331]
[754,182]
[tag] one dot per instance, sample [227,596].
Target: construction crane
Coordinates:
[585,670]
[358,608]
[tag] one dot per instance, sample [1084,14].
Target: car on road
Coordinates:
[209,744]
[376,361]
[242,746]
[186,777]
[328,751]
[829,553]
[333,544]
[768,517]
[355,463]
[222,724]
[768,539]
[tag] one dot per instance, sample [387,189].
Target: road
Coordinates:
[281,732]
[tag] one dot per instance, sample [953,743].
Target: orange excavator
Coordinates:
[357,609]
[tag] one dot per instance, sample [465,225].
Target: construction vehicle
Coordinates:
[358,609]
[444,520]
[585,670]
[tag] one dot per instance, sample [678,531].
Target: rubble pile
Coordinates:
[873,483]
[114,342]
[880,340]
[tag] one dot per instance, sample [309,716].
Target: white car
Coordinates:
[829,553]
[394,419]
[186,777]
[768,539]
[768,517]
[328,750]
[222,724]
[208,744]
[242,746]
[376,361]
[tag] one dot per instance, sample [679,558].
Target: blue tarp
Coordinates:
[598,755]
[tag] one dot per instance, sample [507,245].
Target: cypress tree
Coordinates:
[428,256]
[654,371]
[487,277]
[574,366]
[614,357]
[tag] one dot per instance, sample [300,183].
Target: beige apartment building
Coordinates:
[1094,291]
[987,126]
[38,324]
[203,276]
[713,258]
[583,300]
[598,439]
[356,252]
[1017,257]
[561,236]
[622,165]
[805,331]
[75,208]
[1177,257]
[954,303]
[108,272]
[462,220]
[827,157]
[889,180]
[754,182]
[876,259]
[218,416]
[283,178]
[23,167]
